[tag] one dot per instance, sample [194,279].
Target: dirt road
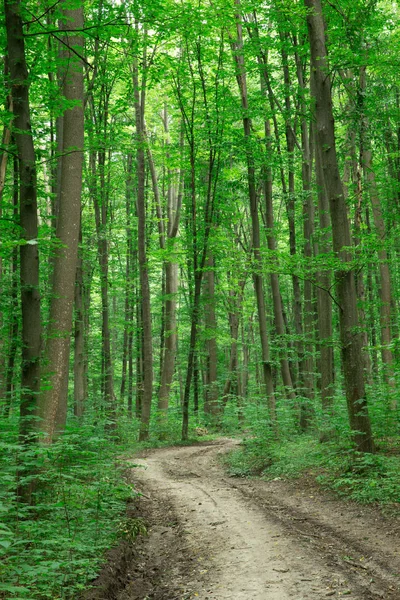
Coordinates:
[215,537]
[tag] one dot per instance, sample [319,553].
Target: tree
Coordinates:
[53,402]
[350,337]
[29,254]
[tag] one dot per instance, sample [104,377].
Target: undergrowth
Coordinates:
[365,478]
[54,548]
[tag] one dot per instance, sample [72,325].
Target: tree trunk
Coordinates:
[308,231]
[128,329]
[139,356]
[29,256]
[100,210]
[385,288]
[212,392]
[167,237]
[6,138]
[14,325]
[170,336]
[234,309]
[53,402]
[274,278]
[268,386]
[324,302]
[79,345]
[142,256]
[291,213]
[350,338]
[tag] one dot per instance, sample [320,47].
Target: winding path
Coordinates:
[255,540]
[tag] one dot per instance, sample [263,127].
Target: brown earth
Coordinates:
[215,537]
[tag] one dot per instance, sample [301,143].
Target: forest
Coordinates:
[199,236]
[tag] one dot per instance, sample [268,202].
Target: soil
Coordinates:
[211,536]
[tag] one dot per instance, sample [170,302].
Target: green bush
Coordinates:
[54,548]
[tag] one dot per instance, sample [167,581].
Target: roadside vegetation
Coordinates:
[199,227]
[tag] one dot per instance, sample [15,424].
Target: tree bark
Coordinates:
[29,255]
[324,301]
[14,325]
[308,232]
[268,386]
[210,320]
[139,94]
[385,288]
[53,401]
[351,346]
[79,339]
[6,138]
[168,226]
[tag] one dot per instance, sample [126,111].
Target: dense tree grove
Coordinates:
[199,221]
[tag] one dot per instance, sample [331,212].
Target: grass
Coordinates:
[54,548]
[365,478]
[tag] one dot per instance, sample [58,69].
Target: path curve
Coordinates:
[254,540]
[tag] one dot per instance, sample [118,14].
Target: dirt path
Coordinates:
[215,537]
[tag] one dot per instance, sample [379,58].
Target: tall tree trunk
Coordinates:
[14,325]
[142,256]
[291,213]
[79,339]
[6,138]
[167,237]
[128,329]
[324,302]
[235,301]
[237,48]
[350,338]
[385,288]
[29,256]
[100,199]
[212,392]
[274,278]
[53,401]
[139,356]
[308,231]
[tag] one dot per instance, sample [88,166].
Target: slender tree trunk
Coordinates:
[196,379]
[79,339]
[244,384]
[385,288]
[6,138]
[308,231]
[212,391]
[274,278]
[29,256]
[170,336]
[291,213]
[14,325]
[100,198]
[345,281]
[139,356]
[268,386]
[142,256]
[167,238]
[128,274]
[324,300]
[372,304]
[53,401]
[234,310]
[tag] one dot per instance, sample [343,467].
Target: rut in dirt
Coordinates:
[215,537]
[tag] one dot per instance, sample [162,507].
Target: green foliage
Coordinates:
[365,478]
[54,548]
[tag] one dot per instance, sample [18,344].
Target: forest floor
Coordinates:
[214,537]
